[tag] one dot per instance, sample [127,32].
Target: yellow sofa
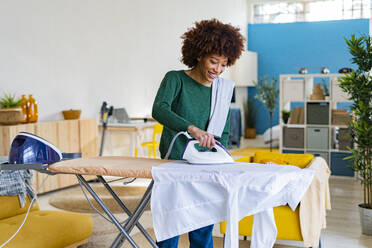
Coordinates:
[287,221]
[43,228]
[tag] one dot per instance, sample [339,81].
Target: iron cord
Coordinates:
[173,140]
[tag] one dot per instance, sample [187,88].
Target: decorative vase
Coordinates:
[366,219]
[250,133]
[11,116]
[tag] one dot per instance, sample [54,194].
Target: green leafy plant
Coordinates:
[268,94]
[285,115]
[358,85]
[10,101]
[249,114]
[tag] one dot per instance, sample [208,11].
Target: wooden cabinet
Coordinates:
[67,135]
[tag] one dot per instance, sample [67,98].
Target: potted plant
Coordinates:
[250,118]
[10,110]
[358,85]
[285,115]
[267,94]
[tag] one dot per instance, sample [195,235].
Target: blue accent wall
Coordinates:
[282,47]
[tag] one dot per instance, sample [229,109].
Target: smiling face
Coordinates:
[210,67]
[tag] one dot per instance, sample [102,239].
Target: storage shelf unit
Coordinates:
[316,135]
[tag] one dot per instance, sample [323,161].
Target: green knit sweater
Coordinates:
[180,102]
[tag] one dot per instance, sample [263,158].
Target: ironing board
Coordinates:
[120,167]
[111,166]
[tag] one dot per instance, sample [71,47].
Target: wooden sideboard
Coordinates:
[67,135]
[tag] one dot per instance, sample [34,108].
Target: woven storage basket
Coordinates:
[340,117]
[71,114]
[11,116]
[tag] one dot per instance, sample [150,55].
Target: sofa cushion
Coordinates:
[44,228]
[10,206]
[299,160]
[245,159]
[287,224]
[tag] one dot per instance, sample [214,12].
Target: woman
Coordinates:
[183,101]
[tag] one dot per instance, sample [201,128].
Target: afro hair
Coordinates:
[211,37]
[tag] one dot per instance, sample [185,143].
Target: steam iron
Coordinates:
[217,155]
[27,148]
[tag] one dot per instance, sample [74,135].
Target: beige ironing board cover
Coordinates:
[108,166]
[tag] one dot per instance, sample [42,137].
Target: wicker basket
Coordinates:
[340,117]
[71,114]
[11,116]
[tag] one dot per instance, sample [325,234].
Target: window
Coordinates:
[311,10]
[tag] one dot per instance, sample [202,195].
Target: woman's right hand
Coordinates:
[204,138]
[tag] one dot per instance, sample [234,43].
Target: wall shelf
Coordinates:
[294,149]
[316,101]
[316,150]
[343,151]
[293,125]
[315,125]
[340,126]
[317,135]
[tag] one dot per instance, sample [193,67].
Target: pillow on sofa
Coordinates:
[299,160]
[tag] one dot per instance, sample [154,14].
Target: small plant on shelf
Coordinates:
[285,115]
[10,101]
[10,110]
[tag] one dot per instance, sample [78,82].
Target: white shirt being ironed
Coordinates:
[187,196]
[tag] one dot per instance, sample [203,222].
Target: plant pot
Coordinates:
[285,119]
[11,116]
[250,133]
[365,219]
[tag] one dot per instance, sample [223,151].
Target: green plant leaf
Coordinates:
[10,101]
[358,85]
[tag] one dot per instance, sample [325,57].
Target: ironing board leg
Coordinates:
[127,211]
[107,211]
[135,217]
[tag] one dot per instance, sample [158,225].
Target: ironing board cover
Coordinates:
[108,166]
[187,197]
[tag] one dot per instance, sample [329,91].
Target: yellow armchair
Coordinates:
[287,221]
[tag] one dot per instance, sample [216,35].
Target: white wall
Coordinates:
[76,54]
